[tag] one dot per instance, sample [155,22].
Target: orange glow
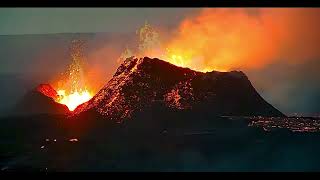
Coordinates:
[178,58]
[73,88]
[75,99]
[226,39]
[187,59]
[223,39]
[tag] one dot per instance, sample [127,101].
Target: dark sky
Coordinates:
[66,20]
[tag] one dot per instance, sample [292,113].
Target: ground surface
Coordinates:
[46,143]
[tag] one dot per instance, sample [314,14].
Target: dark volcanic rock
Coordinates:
[47,90]
[40,101]
[144,84]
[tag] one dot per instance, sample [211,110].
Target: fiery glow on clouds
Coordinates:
[221,39]
[214,39]
[236,38]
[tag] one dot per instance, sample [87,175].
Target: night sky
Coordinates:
[76,20]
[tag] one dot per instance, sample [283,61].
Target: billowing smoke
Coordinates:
[278,48]
[274,46]
[248,38]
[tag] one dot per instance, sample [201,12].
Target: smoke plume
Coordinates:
[248,38]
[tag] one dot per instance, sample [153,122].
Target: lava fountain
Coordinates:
[73,89]
[174,52]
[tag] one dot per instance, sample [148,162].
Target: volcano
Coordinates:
[40,100]
[143,85]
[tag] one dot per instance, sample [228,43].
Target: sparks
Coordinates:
[176,52]
[74,89]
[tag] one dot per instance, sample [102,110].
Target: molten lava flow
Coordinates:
[75,99]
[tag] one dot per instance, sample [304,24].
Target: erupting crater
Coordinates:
[74,99]
[146,85]
[142,86]
[71,100]
[74,88]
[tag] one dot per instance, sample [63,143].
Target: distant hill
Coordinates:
[39,101]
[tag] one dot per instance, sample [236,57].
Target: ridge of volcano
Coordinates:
[143,84]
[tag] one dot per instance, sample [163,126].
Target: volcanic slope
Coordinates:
[40,101]
[142,84]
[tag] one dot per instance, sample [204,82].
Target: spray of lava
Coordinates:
[73,90]
[225,39]
[151,45]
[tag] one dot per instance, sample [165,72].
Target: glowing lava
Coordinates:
[176,51]
[74,89]
[74,99]
[187,59]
